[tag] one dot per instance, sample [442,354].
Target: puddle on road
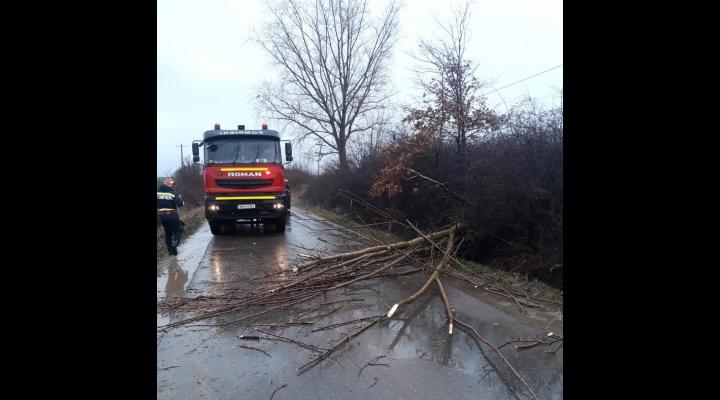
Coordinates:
[175,273]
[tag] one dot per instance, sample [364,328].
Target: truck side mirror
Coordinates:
[288,152]
[196,152]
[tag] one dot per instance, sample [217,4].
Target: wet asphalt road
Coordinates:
[422,361]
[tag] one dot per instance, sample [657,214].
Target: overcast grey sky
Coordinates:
[207,68]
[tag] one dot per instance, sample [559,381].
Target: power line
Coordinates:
[524,79]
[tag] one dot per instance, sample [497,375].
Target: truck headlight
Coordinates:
[278,205]
[213,207]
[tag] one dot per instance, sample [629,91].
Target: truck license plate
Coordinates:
[245,206]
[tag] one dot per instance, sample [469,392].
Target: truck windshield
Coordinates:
[242,151]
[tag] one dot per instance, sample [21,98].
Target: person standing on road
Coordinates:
[168,202]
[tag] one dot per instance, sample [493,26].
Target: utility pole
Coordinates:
[181,155]
[319,154]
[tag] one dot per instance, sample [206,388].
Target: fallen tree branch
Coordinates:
[479,336]
[332,326]
[274,391]
[444,186]
[284,324]
[373,249]
[288,340]
[254,348]
[448,308]
[384,214]
[430,280]
[335,347]
[373,363]
[445,252]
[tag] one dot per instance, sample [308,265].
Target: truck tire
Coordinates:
[215,228]
[280,225]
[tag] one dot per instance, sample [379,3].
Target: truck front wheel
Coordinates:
[280,225]
[215,228]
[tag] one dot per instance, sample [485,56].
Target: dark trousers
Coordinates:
[173,229]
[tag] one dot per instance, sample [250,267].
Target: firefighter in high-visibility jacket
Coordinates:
[168,202]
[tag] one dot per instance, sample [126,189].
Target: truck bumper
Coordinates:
[245,208]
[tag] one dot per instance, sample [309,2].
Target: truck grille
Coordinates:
[243,183]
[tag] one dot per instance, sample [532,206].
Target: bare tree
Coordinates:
[446,77]
[332,62]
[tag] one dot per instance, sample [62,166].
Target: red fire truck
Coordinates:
[244,177]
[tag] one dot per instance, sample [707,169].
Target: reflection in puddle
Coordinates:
[176,279]
[217,269]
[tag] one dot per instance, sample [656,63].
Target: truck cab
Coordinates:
[244,177]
